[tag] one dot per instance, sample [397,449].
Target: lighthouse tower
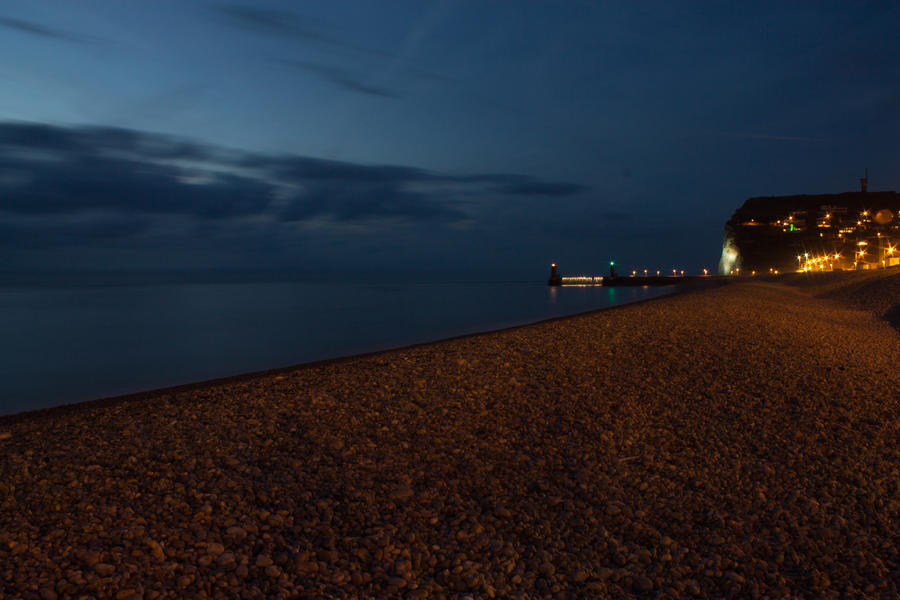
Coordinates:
[555,277]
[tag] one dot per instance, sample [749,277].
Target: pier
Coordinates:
[613,279]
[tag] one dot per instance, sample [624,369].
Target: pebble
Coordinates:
[642,585]
[215,548]
[273,571]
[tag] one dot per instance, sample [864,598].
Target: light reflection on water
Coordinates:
[68,344]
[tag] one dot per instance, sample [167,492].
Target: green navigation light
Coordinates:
[612,263]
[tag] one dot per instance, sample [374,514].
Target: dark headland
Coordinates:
[735,442]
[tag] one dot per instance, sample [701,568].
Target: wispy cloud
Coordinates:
[340,78]
[272,22]
[772,137]
[41,31]
[287,24]
[542,188]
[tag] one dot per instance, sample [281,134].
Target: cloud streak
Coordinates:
[34,29]
[287,24]
[96,183]
[340,78]
[283,24]
[772,137]
[271,22]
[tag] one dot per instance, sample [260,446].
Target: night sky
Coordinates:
[476,138]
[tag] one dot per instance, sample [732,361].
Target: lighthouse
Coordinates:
[555,277]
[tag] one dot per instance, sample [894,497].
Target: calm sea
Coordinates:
[68,343]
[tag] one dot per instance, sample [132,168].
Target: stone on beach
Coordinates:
[731,442]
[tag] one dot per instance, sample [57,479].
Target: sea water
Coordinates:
[69,342]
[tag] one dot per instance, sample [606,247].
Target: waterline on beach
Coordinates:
[69,344]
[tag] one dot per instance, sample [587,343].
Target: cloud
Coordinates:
[340,78]
[354,203]
[542,188]
[287,24]
[777,138]
[66,170]
[271,22]
[100,183]
[303,169]
[284,24]
[78,229]
[41,31]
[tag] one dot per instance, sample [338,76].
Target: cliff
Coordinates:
[852,230]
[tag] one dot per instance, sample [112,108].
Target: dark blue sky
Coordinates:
[443,136]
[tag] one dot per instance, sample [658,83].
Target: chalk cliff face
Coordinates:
[853,230]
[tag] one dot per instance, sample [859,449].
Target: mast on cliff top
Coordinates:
[864,182]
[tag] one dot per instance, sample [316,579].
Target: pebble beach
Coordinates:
[738,441]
